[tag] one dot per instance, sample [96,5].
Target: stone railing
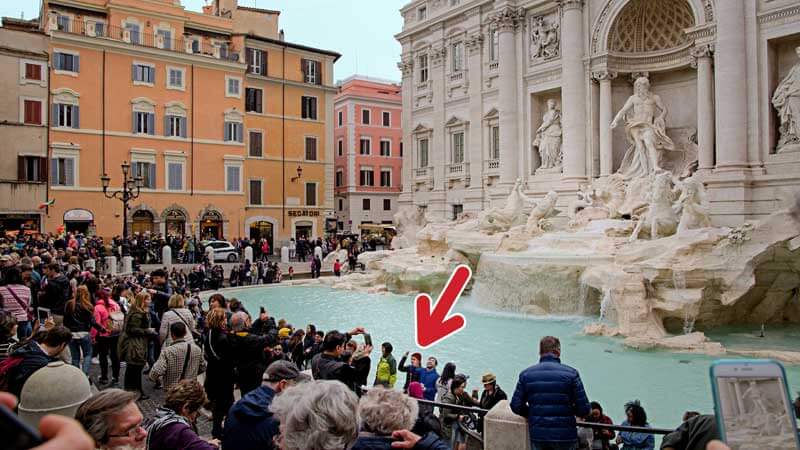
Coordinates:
[423,172]
[492,166]
[493,66]
[458,170]
[456,77]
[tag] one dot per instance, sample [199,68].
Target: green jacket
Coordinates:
[132,347]
[386,374]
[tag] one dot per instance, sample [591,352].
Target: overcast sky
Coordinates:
[361,30]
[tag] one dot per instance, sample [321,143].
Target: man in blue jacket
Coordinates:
[250,424]
[550,395]
[428,376]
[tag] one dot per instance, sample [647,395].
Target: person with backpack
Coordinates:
[56,292]
[177,313]
[107,312]
[79,318]
[38,352]
[132,347]
[16,300]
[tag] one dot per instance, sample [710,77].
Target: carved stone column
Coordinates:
[702,60]
[507,20]
[406,66]
[606,116]
[474,141]
[573,90]
[731,85]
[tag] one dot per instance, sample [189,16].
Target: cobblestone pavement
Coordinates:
[157,396]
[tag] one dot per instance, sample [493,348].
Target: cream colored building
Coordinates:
[478,74]
[23,125]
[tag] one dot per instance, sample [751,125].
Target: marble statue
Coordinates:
[548,138]
[408,220]
[511,214]
[544,209]
[544,39]
[646,131]
[660,217]
[693,206]
[786,101]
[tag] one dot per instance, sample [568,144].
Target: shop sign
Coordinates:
[78,215]
[303,213]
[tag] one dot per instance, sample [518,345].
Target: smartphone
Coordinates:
[752,404]
[17,435]
[367,339]
[42,314]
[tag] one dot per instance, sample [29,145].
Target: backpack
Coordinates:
[6,367]
[116,322]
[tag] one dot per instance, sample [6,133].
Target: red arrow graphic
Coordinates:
[433,324]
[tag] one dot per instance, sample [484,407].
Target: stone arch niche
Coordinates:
[174,219]
[143,218]
[654,39]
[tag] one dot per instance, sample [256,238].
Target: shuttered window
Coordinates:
[144,123]
[65,115]
[67,62]
[312,71]
[233,132]
[175,126]
[309,108]
[255,192]
[31,169]
[62,171]
[33,112]
[311,194]
[33,71]
[256,147]
[253,100]
[233,178]
[142,73]
[311,148]
[256,61]
[147,171]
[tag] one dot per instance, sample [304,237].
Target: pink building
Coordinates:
[368,152]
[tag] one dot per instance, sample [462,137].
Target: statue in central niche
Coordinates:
[646,129]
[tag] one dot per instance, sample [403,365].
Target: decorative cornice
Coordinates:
[566,5]
[508,18]
[474,42]
[779,15]
[406,66]
[437,55]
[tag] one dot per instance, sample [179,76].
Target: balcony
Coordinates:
[185,44]
[423,173]
[493,66]
[457,77]
[492,166]
[457,171]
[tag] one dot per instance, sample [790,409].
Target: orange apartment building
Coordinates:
[369,152]
[229,126]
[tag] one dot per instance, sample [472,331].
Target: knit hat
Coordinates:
[416,389]
[284,333]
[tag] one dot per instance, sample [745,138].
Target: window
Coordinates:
[341,118]
[175,126]
[166,36]
[233,175]
[65,115]
[341,206]
[144,122]
[146,170]
[68,62]
[386,178]
[196,46]
[339,178]
[387,204]
[32,169]
[457,211]
[365,145]
[33,71]
[365,204]
[311,194]
[423,68]
[253,100]
[386,148]
[457,52]
[63,22]
[62,171]
[311,148]
[458,147]
[143,74]
[233,87]
[234,132]
[455,2]
[422,13]
[495,145]
[494,45]
[223,50]
[365,115]
[340,147]
[423,152]
[256,61]
[32,112]
[134,30]
[312,71]
[387,119]
[174,176]
[309,107]
[256,147]
[367,177]
[255,192]
[99,28]
[175,78]
[401,149]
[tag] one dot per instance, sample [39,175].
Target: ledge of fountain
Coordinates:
[696,342]
[780,355]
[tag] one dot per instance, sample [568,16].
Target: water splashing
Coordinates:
[688,321]
[583,297]
[605,303]
[689,317]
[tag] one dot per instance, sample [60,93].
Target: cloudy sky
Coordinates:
[361,30]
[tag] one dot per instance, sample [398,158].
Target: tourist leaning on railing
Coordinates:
[637,417]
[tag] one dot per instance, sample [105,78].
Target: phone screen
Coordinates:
[42,314]
[753,407]
[16,434]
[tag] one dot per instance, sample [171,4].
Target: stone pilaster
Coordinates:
[731,86]
[702,60]
[573,90]
[606,116]
[507,20]
[475,132]
[406,66]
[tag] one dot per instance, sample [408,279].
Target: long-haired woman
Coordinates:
[136,334]
[79,318]
[219,373]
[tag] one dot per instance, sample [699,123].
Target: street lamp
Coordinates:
[299,174]
[131,187]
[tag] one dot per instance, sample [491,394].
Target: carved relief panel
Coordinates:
[544,38]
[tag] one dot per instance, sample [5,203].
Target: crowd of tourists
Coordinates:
[153,330]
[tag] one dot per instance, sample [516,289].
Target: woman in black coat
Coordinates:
[219,373]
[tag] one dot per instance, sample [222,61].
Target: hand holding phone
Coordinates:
[752,404]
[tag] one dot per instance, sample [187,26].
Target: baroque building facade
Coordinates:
[496,91]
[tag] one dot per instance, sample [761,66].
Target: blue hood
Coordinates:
[255,405]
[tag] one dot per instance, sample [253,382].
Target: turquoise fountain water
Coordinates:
[667,384]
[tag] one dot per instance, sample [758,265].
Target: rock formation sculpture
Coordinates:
[646,131]
[548,139]
[408,221]
[511,214]
[786,101]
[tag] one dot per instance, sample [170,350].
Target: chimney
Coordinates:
[281,36]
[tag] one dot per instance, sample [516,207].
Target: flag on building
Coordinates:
[47,204]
